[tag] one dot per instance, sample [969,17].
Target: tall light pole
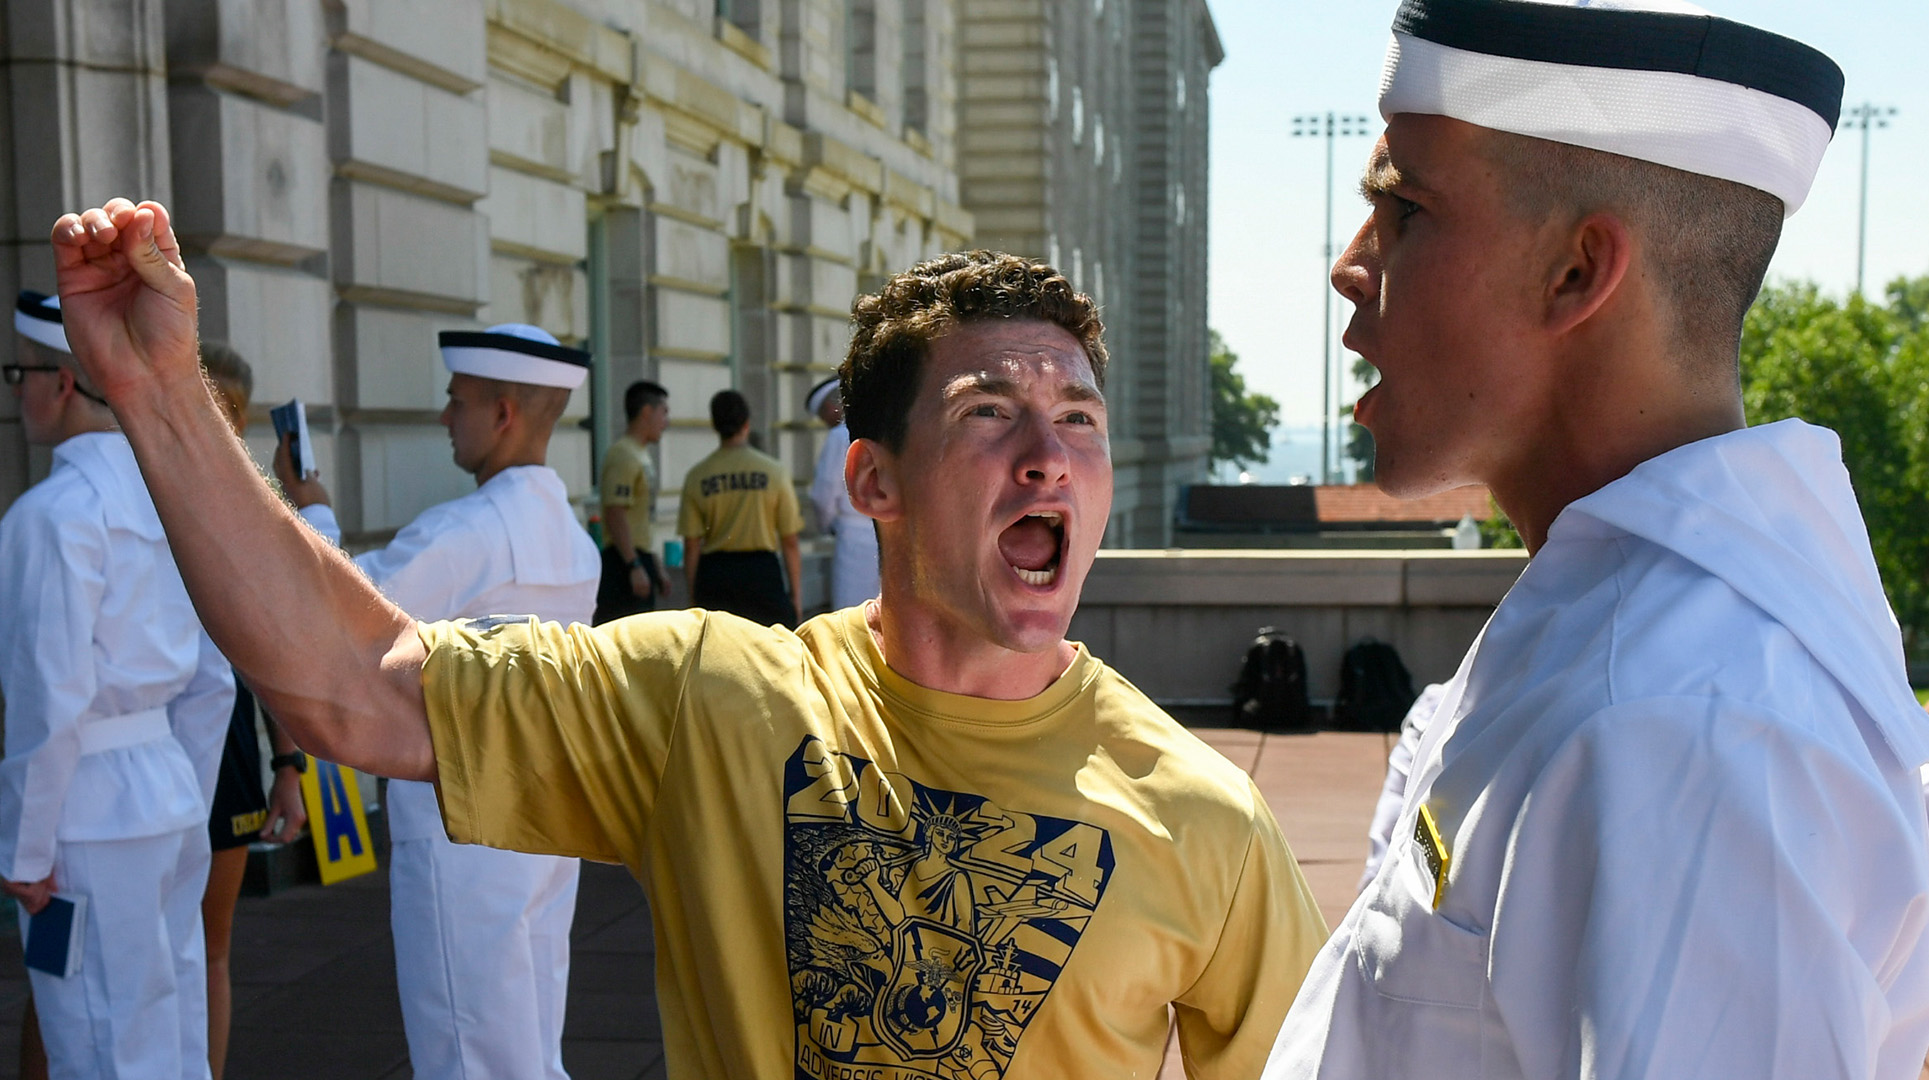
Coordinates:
[1329,127]
[1864,116]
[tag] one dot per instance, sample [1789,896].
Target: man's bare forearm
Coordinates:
[616,527]
[794,567]
[326,653]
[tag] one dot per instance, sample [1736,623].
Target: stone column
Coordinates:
[408,249]
[83,118]
[250,163]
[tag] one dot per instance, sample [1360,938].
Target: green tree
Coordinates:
[1862,369]
[1242,421]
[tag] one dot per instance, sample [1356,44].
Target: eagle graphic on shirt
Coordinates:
[923,928]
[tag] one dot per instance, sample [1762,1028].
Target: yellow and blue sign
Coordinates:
[336,822]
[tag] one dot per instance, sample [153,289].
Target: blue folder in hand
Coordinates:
[56,935]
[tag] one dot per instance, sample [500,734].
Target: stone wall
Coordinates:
[694,191]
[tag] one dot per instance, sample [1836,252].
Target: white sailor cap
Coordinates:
[514,352]
[819,394]
[1658,80]
[36,316]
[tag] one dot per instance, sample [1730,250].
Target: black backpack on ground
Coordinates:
[1375,689]
[1271,692]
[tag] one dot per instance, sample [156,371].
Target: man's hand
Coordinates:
[287,813]
[32,895]
[302,491]
[128,303]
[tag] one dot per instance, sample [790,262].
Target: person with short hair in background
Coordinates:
[115,707]
[739,510]
[482,936]
[242,811]
[632,582]
[854,570]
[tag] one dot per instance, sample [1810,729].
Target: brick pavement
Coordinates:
[315,983]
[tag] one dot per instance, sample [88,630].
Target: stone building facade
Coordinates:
[693,189]
[695,195]
[1082,141]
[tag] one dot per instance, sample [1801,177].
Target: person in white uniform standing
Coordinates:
[115,704]
[1667,820]
[481,935]
[854,568]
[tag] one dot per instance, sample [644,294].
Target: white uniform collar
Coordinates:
[1769,510]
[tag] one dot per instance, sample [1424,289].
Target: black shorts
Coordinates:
[240,804]
[746,583]
[614,600]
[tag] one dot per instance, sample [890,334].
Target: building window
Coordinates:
[917,105]
[1181,92]
[1078,116]
[860,52]
[745,15]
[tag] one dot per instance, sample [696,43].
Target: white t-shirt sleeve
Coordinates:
[1701,888]
[434,567]
[322,517]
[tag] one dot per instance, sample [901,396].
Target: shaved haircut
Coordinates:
[1707,241]
[542,405]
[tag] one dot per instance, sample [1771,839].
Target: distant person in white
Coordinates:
[116,705]
[1675,781]
[854,572]
[481,935]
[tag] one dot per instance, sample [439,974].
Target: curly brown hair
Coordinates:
[893,328]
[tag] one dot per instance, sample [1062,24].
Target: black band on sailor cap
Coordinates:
[482,339]
[37,305]
[1705,46]
[36,317]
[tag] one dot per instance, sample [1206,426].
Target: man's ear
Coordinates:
[871,478]
[1590,269]
[504,412]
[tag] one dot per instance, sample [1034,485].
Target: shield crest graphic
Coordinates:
[922,1011]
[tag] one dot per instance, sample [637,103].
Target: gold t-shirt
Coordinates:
[739,499]
[854,876]
[629,482]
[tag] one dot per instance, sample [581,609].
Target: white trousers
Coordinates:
[138,1007]
[481,958]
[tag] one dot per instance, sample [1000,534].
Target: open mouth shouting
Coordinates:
[1034,546]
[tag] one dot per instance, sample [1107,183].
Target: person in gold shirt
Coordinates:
[631,581]
[739,509]
[925,837]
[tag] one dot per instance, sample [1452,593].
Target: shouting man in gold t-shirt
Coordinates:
[927,837]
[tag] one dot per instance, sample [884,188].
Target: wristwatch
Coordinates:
[294,759]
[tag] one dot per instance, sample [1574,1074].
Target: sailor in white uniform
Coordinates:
[854,570]
[481,935]
[115,706]
[1667,820]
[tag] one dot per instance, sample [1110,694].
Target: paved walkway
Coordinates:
[315,982]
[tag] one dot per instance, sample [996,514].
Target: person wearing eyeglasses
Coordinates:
[108,681]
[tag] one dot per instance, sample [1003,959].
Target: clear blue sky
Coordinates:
[1286,57]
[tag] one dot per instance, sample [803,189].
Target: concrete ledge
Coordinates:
[1195,577]
[1177,622]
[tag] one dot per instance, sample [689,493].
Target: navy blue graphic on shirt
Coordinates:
[923,928]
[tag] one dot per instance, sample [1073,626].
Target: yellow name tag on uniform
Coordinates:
[1426,833]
